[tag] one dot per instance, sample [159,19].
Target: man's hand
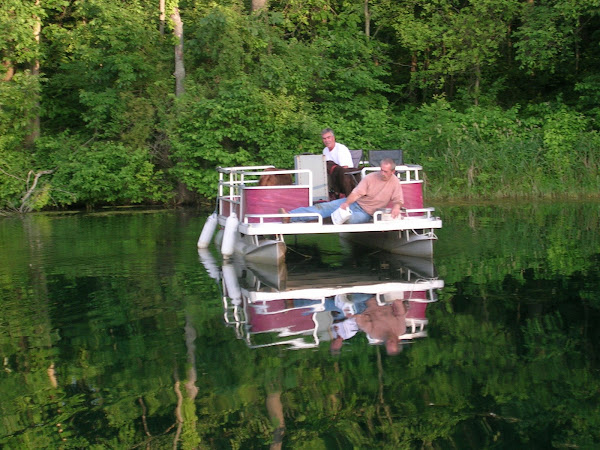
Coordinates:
[396,211]
[349,200]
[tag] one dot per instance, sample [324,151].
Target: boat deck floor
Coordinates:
[320,227]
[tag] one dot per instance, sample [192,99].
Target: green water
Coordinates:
[112,335]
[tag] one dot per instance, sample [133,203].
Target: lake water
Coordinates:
[116,333]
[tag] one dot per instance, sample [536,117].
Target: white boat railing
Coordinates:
[261,217]
[236,176]
[233,179]
[420,213]
[317,219]
[404,172]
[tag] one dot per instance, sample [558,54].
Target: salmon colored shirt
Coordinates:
[376,193]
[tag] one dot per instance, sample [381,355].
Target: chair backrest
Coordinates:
[318,166]
[376,156]
[356,157]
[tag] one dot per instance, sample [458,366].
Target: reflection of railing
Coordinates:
[264,315]
[415,295]
[273,322]
[301,323]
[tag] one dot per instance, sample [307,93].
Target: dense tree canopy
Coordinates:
[492,97]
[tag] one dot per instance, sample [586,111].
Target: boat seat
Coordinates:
[356,160]
[376,156]
[356,157]
[268,200]
[318,166]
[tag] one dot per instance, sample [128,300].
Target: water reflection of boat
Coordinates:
[299,307]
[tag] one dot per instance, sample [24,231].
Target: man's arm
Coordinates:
[349,200]
[396,210]
[345,157]
[398,200]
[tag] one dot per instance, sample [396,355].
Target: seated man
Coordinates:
[334,151]
[385,323]
[374,191]
[339,159]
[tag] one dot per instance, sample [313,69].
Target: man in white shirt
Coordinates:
[334,151]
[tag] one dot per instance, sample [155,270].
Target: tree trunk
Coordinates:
[367,19]
[183,193]
[161,7]
[258,5]
[179,67]
[10,71]
[477,88]
[24,207]
[35,72]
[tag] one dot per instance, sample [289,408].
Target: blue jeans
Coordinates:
[358,300]
[326,209]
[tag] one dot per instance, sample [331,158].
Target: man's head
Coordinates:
[336,345]
[392,346]
[328,138]
[388,168]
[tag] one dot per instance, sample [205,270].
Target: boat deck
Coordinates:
[319,226]
[248,213]
[378,289]
[257,207]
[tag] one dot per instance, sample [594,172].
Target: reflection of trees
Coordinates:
[503,240]
[275,410]
[86,347]
[30,386]
[511,358]
[186,406]
[507,363]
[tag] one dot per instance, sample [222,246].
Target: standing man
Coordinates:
[334,151]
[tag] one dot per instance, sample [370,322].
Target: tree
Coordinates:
[450,46]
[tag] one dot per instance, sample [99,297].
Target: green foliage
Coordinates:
[17,41]
[550,34]
[487,151]
[106,173]
[493,98]
[450,44]
[562,130]
[102,68]
[242,126]
[17,108]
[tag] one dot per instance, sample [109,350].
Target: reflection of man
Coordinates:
[342,331]
[334,151]
[386,323]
